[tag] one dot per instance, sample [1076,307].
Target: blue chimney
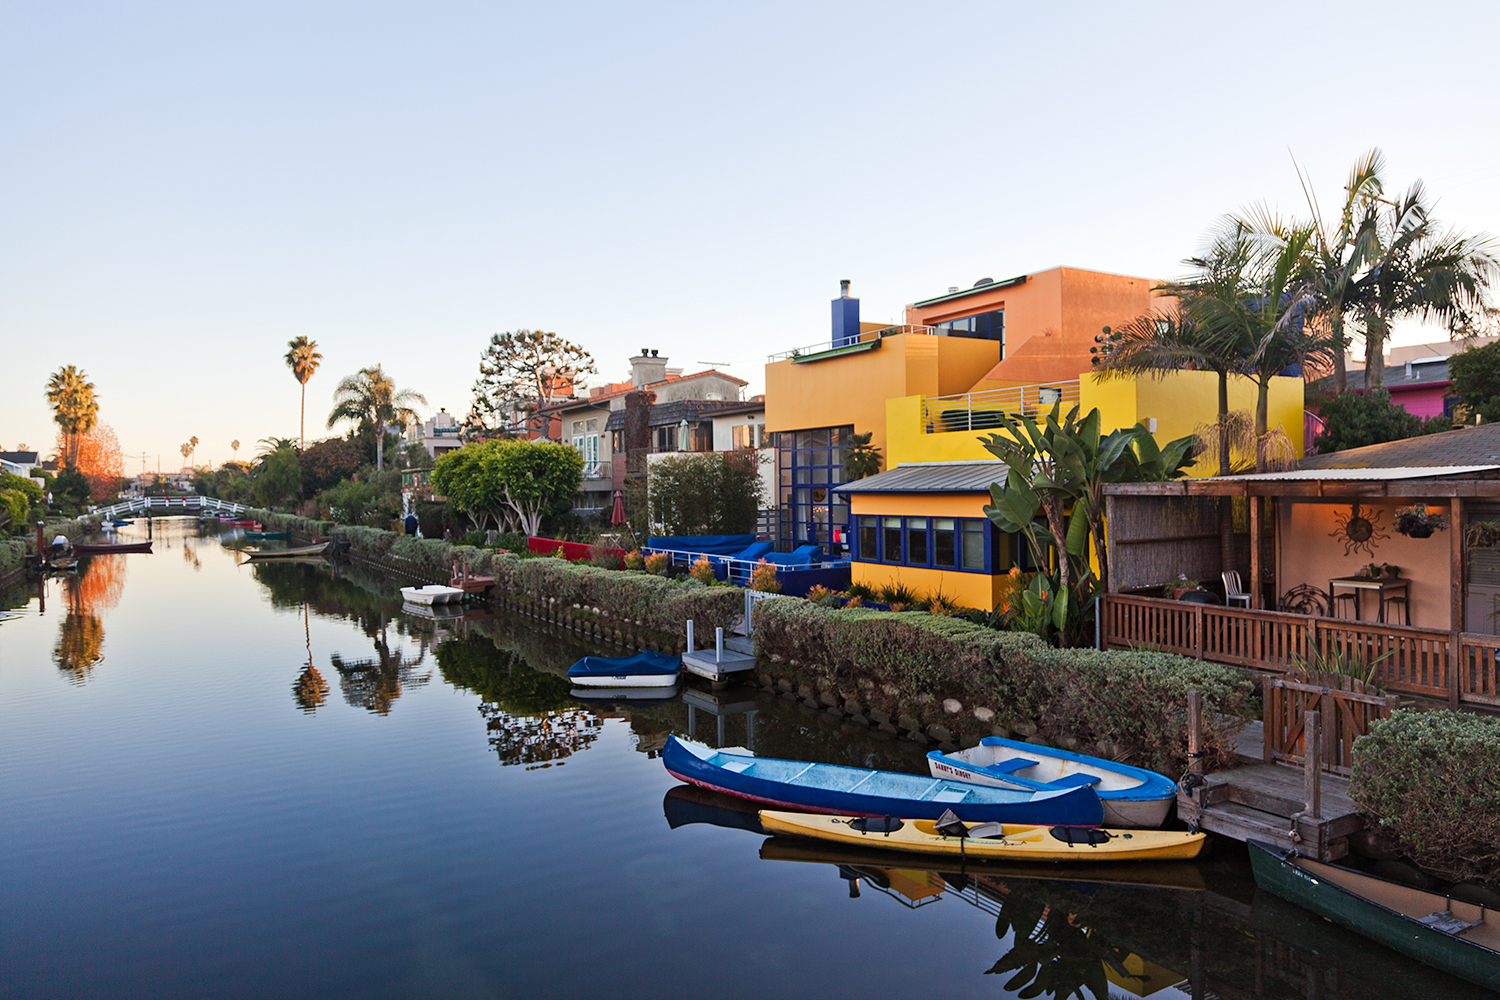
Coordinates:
[845,317]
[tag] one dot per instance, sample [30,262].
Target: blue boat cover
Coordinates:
[714,545]
[647,663]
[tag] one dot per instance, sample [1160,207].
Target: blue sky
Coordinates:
[188,186]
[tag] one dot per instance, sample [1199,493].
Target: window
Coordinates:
[985,326]
[809,464]
[747,435]
[968,544]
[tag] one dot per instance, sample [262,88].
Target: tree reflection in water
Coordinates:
[1052,952]
[310,690]
[375,684]
[80,640]
[530,717]
[79,646]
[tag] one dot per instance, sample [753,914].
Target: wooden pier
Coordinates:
[730,654]
[1298,795]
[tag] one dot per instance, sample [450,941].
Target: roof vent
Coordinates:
[984,281]
[952,289]
[1408,369]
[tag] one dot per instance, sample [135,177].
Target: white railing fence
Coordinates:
[974,411]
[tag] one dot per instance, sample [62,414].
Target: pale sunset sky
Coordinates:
[188,186]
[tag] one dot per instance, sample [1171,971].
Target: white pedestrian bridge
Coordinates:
[186,505]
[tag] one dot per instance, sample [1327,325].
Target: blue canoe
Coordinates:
[642,670]
[833,788]
[1132,796]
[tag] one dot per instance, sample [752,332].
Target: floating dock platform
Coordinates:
[730,654]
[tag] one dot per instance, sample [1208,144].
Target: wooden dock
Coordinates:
[731,654]
[1287,799]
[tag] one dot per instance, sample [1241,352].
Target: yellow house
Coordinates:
[928,392]
[991,335]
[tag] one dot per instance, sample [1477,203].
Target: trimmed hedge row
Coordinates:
[658,603]
[1134,701]
[304,526]
[1432,780]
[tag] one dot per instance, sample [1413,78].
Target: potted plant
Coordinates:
[1419,522]
[1181,584]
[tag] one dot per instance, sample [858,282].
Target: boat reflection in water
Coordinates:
[687,804]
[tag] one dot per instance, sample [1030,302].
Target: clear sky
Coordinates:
[188,186]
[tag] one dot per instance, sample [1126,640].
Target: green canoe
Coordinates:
[1448,934]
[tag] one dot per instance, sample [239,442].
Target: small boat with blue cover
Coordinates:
[645,669]
[834,788]
[1132,796]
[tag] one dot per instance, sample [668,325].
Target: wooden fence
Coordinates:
[1344,706]
[1462,668]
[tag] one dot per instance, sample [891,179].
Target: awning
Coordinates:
[931,477]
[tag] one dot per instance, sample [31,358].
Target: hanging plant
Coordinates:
[1483,534]
[1419,522]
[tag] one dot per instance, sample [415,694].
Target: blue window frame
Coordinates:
[984,326]
[965,544]
[809,464]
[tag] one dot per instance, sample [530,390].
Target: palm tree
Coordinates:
[303,359]
[1417,271]
[370,400]
[75,407]
[234,446]
[1388,260]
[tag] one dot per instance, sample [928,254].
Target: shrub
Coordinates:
[763,578]
[1432,779]
[1133,699]
[12,556]
[862,591]
[822,596]
[605,556]
[896,594]
[853,602]
[634,560]
[702,570]
[657,563]
[1356,419]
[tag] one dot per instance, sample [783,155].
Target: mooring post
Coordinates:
[1195,731]
[719,644]
[1312,764]
[690,635]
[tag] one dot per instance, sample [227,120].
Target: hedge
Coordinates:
[12,556]
[277,521]
[1133,700]
[658,603]
[1432,779]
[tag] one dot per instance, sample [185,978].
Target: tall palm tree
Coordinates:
[370,400]
[234,446]
[303,359]
[1419,271]
[75,408]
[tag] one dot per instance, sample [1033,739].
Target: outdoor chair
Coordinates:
[1399,602]
[1234,590]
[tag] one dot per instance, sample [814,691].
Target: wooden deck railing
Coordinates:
[1344,706]
[1460,667]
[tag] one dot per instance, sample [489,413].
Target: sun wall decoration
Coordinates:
[1357,531]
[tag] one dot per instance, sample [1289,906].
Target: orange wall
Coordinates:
[853,389]
[1307,554]
[1051,320]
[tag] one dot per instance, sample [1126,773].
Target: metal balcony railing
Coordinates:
[827,346]
[981,411]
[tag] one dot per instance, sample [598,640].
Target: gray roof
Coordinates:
[1466,446]
[1427,371]
[19,457]
[1372,472]
[676,411]
[931,477]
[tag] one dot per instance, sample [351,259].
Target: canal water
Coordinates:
[227,779]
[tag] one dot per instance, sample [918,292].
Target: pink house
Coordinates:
[1417,386]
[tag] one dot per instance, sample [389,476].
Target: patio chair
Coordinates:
[1234,590]
[1399,602]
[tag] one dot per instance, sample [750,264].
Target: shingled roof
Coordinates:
[1464,446]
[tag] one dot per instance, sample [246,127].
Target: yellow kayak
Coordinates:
[1008,842]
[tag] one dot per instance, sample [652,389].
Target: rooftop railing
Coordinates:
[828,347]
[978,411]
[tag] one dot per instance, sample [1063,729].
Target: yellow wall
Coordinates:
[1180,402]
[972,590]
[853,389]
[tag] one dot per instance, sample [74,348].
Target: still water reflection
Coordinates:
[240,779]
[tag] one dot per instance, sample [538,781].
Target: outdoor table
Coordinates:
[1360,583]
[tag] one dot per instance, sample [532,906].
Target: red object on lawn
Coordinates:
[617,516]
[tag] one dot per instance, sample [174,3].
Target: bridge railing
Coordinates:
[137,505]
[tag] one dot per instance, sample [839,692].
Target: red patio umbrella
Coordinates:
[617,515]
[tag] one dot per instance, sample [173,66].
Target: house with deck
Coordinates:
[1313,539]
